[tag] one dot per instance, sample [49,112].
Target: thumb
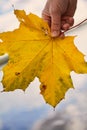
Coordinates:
[55,25]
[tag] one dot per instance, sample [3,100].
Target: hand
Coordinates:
[59,15]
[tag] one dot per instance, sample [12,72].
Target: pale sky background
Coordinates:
[31,99]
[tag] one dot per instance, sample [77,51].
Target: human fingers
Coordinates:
[67,22]
[71,8]
[55,24]
[47,19]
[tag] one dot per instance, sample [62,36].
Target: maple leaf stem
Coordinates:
[77,25]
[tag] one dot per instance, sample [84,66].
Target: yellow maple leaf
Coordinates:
[34,53]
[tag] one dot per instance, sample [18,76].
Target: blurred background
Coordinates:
[27,110]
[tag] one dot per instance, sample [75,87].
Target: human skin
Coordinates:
[59,15]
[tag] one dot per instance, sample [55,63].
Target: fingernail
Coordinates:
[55,34]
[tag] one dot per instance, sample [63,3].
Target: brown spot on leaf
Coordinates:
[43,88]
[17,73]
